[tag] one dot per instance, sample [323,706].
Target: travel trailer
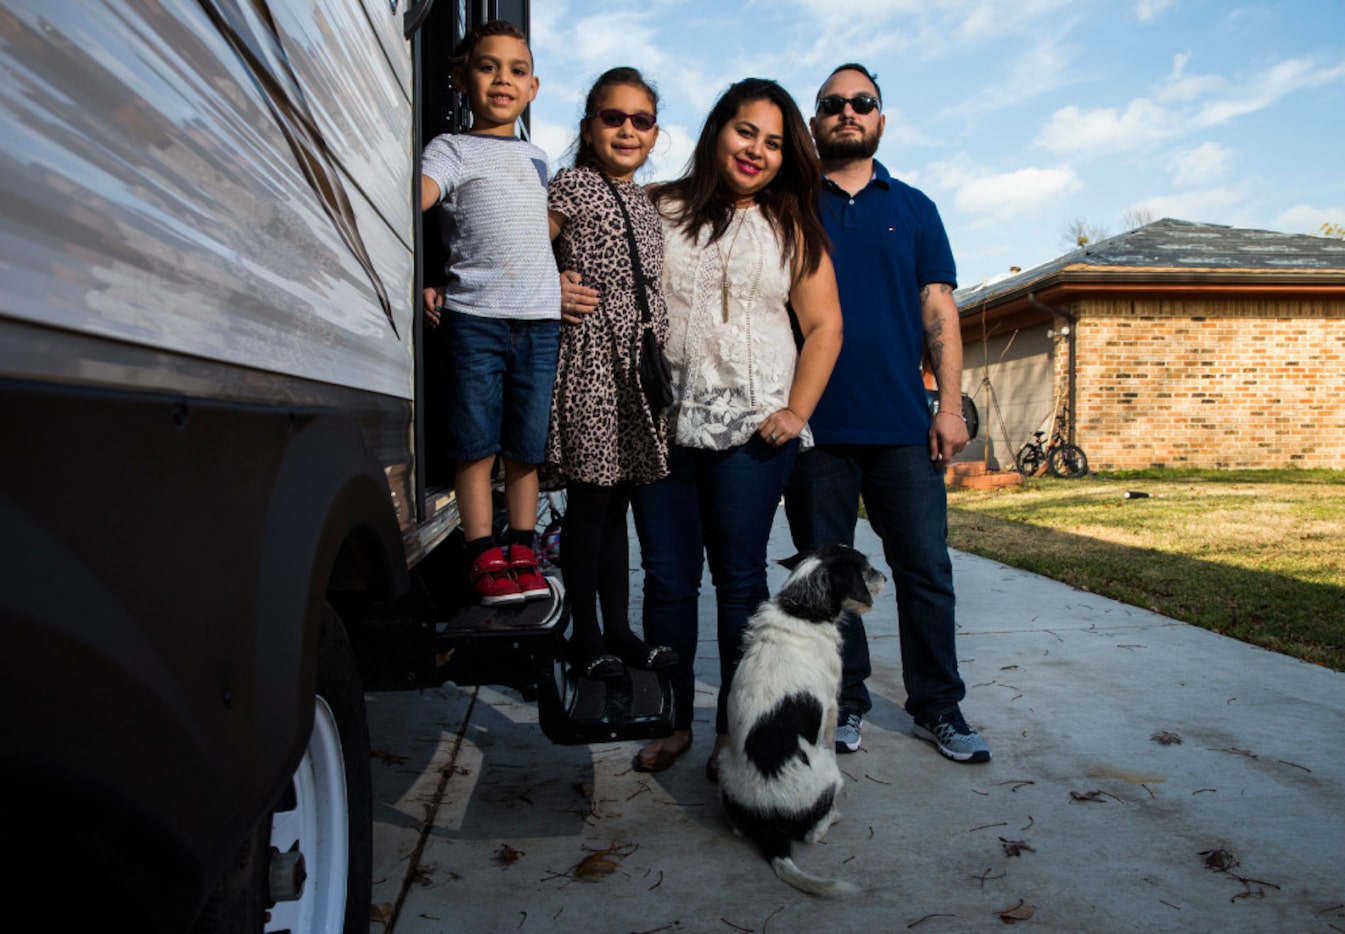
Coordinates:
[221,516]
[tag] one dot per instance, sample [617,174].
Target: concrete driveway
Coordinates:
[1147,776]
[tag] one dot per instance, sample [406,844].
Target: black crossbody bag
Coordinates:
[654,369]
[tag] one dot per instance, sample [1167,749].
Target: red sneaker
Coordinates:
[492,581]
[523,565]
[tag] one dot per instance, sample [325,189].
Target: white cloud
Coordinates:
[917,29]
[1200,165]
[606,39]
[1045,64]
[992,19]
[1308,219]
[1146,11]
[1268,87]
[1072,130]
[671,152]
[1183,104]
[989,195]
[554,138]
[902,134]
[1207,205]
[1180,86]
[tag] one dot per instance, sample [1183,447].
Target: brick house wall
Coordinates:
[1234,382]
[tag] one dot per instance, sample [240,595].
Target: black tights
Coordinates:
[595,556]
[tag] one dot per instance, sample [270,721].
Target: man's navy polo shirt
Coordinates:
[888,242]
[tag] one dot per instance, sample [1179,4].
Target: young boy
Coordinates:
[501,305]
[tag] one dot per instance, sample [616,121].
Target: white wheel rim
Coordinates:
[319,826]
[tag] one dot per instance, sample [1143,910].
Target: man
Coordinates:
[874,433]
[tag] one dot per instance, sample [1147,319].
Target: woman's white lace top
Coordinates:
[728,375]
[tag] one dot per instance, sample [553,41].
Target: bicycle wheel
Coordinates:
[1067,461]
[1029,460]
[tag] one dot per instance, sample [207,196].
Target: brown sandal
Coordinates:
[661,760]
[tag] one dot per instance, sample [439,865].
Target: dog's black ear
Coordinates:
[809,593]
[824,582]
[809,596]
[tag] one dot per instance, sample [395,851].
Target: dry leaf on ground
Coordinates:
[601,864]
[1016,847]
[1095,795]
[1219,860]
[1015,913]
[507,855]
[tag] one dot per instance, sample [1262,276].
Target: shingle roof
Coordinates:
[1175,245]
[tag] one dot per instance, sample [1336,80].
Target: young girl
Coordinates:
[604,439]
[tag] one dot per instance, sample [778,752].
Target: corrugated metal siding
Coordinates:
[150,197]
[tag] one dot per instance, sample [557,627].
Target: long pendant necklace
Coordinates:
[724,266]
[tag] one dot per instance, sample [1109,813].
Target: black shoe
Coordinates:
[655,658]
[636,653]
[602,668]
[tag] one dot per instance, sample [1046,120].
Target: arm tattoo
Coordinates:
[934,329]
[935,345]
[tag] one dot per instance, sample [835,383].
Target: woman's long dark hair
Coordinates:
[621,76]
[789,201]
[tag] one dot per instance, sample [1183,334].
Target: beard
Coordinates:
[839,150]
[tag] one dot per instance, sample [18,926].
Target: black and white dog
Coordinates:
[778,776]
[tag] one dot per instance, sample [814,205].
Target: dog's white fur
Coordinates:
[778,776]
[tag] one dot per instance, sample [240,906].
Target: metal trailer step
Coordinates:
[521,646]
[576,711]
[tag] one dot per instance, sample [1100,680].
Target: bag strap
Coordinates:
[645,316]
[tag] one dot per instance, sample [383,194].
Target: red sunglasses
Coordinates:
[612,119]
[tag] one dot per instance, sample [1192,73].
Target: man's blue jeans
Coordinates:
[720,504]
[908,507]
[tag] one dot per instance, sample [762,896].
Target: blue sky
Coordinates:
[1017,118]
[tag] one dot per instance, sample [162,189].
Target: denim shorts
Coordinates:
[501,372]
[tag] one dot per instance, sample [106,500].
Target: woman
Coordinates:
[743,243]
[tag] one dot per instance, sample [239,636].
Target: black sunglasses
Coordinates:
[833,104]
[612,119]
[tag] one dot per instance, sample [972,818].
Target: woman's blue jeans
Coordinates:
[716,506]
[907,504]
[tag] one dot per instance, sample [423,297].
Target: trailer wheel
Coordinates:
[308,867]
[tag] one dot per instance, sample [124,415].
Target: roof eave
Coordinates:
[1084,281]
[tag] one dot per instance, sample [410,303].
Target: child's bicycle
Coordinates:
[1060,457]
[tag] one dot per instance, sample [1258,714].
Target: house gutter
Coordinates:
[1070,339]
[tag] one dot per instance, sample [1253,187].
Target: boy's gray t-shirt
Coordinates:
[492,197]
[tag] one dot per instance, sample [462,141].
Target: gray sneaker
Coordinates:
[951,734]
[847,731]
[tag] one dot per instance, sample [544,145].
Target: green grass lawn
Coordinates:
[1256,555]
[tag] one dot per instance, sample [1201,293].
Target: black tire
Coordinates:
[970,413]
[1067,461]
[1028,460]
[242,899]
